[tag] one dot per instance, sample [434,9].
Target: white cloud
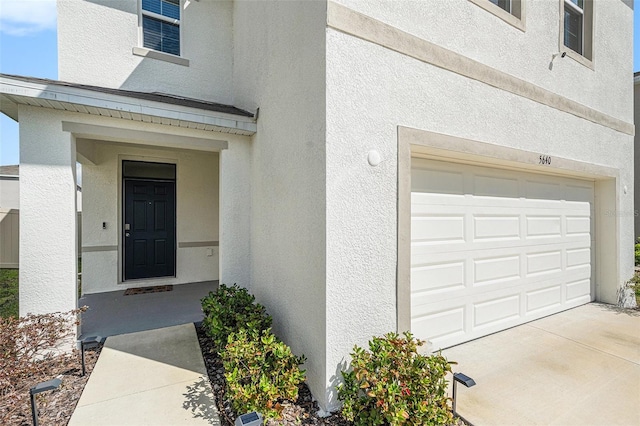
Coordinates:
[24,17]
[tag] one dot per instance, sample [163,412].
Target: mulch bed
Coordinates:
[54,407]
[302,412]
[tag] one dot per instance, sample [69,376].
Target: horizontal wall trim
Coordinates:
[439,146]
[350,22]
[89,249]
[189,244]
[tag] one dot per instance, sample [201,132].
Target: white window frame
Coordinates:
[140,50]
[587,57]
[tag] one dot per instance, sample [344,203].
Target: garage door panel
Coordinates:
[496,310]
[539,226]
[506,248]
[491,227]
[438,228]
[438,277]
[546,262]
[439,182]
[545,298]
[546,193]
[578,225]
[492,186]
[496,269]
[578,291]
[578,257]
[447,322]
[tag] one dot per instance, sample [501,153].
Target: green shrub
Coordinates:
[261,371]
[231,309]
[637,252]
[393,384]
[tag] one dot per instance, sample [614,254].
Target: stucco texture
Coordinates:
[197,213]
[87,47]
[372,90]
[279,67]
[48,252]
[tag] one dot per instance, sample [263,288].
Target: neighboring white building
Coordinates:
[9,216]
[449,167]
[636,153]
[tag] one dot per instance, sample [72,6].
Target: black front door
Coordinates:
[149,229]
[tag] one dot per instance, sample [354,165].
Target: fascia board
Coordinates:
[89,98]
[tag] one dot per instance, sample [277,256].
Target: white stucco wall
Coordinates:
[235,214]
[9,193]
[279,67]
[463,27]
[371,90]
[197,215]
[96,39]
[48,252]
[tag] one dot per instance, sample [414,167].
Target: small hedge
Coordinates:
[229,310]
[261,371]
[393,384]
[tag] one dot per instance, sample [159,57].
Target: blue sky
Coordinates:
[28,47]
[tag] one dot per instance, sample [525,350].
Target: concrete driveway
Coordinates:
[579,367]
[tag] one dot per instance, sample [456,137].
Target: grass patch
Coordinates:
[8,293]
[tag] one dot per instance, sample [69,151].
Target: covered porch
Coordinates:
[154,201]
[114,312]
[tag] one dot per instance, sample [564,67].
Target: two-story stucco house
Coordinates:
[450,167]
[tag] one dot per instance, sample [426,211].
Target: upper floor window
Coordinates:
[503,4]
[573,24]
[161,25]
[577,27]
[510,11]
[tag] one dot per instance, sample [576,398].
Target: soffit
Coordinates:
[145,107]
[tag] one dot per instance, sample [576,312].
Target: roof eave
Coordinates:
[13,92]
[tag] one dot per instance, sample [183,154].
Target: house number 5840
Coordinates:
[545,159]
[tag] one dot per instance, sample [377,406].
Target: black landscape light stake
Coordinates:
[466,381]
[88,342]
[41,387]
[250,419]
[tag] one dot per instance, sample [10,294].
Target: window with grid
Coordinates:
[574,25]
[161,25]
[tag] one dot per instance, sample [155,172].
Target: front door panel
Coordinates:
[149,231]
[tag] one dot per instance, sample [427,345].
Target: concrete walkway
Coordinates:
[154,377]
[579,367]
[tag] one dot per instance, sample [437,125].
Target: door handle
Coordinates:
[126,234]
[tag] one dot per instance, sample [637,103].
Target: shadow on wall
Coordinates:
[121,5]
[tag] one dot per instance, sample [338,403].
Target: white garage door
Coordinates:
[493,248]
